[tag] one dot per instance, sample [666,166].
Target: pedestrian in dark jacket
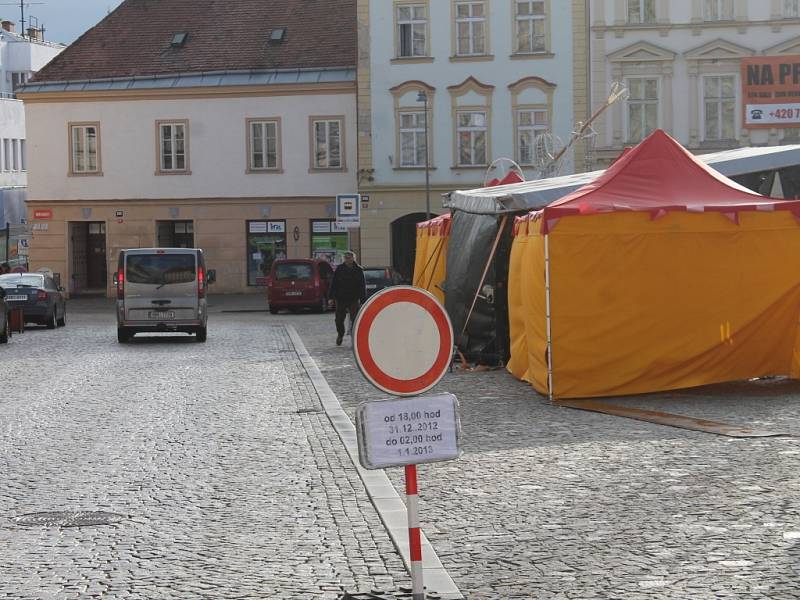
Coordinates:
[349,290]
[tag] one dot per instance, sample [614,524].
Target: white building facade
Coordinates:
[493,74]
[681,61]
[20,57]
[248,173]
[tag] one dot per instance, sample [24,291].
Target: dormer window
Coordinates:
[179,39]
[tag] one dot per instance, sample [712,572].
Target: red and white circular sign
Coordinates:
[403,340]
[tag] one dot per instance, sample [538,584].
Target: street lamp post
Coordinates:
[423,97]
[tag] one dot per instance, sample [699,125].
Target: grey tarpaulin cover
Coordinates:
[485,338]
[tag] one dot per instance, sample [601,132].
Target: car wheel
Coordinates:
[202,334]
[4,336]
[273,310]
[63,320]
[51,320]
[124,335]
[323,305]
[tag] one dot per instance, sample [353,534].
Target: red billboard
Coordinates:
[771,91]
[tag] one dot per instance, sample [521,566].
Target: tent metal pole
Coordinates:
[549,322]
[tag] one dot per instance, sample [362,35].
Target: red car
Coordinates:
[297,283]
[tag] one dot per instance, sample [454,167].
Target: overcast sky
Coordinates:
[64,20]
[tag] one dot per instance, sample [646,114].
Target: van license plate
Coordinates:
[161,314]
[294,293]
[16,298]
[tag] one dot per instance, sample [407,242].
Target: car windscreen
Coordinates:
[13,280]
[292,271]
[160,269]
[375,275]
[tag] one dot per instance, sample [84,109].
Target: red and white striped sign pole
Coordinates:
[403,344]
[414,543]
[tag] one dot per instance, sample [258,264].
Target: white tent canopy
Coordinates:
[536,194]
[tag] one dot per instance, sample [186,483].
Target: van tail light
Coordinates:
[201,282]
[41,296]
[121,284]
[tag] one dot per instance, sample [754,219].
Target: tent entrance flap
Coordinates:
[671,420]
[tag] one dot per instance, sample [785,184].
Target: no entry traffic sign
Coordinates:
[403,340]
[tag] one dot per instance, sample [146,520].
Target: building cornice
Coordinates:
[189,93]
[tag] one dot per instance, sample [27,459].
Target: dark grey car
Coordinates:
[5,331]
[42,301]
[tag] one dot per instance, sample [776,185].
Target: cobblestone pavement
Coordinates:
[227,491]
[554,503]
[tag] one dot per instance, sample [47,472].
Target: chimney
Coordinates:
[33,34]
[8,26]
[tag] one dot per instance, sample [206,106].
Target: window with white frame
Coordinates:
[531,23]
[531,123]
[327,135]
[719,101]
[172,146]
[470,28]
[471,132]
[263,145]
[413,146]
[641,11]
[15,155]
[412,26]
[718,10]
[23,158]
[84,152]
[642,108]
[6,154]
[18,79]
[791,9]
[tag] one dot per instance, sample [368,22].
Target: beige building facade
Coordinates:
[248,174]
[458,84]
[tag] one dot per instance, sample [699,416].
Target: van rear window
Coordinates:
[292,271]
[160,269]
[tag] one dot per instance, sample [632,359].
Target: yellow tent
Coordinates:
[431,258]
[661,274]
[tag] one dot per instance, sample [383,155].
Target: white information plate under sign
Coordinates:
[408,431]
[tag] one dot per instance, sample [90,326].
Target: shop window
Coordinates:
[328,240]
[266,242]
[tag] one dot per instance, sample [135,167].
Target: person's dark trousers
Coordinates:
[342,308]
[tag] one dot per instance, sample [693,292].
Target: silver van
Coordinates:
[162,289]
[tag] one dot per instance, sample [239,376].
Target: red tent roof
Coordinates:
[660,175]
[440,224]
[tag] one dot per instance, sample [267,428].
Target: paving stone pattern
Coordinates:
[554,503]
[227,491]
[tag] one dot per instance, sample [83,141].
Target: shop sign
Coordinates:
[258,227]
[276,227]
[771,91]
[321,227]
[338,228]
[43,213]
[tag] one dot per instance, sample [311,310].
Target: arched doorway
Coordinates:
[404,243]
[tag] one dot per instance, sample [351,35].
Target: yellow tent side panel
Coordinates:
[431,261]
[420,257]
[688,299]
[527,309]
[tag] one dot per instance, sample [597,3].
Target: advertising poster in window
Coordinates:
[771,91]
[266,242]
[329,240]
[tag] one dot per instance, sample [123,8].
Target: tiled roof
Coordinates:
[134,40]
